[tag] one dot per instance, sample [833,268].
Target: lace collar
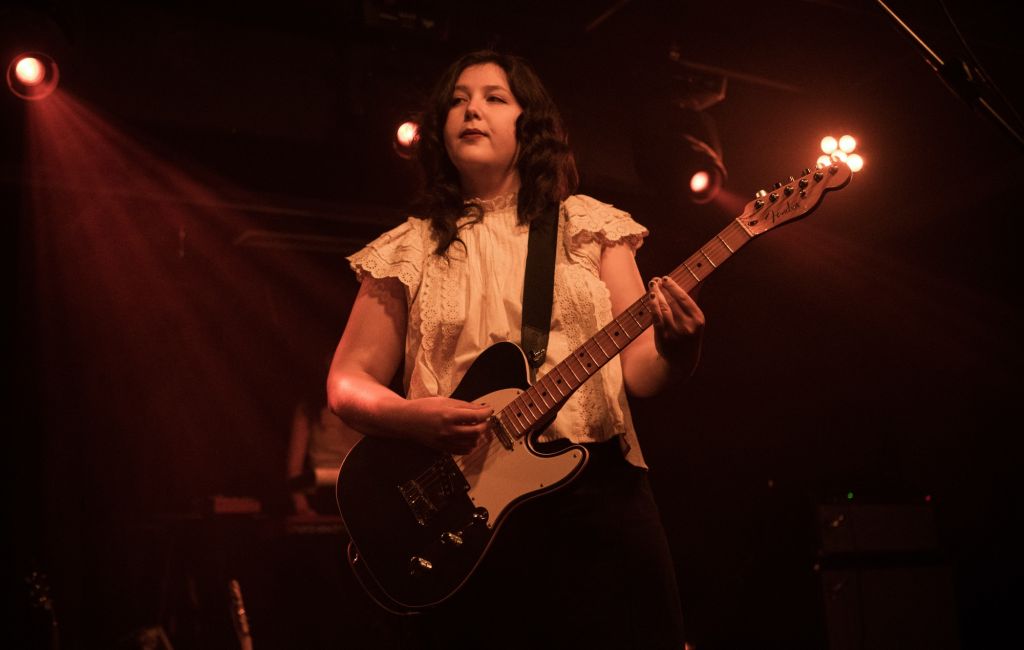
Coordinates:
[503,202]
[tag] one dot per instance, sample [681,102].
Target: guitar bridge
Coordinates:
[500,432]
[429,492]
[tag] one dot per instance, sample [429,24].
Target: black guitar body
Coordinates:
[419,520]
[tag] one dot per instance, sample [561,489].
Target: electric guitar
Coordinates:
[420,520]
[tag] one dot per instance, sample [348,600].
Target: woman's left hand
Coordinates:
[678,322]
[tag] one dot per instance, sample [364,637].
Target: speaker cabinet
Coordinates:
[884,585]
[897,608]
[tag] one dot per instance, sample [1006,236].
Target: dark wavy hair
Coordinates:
[547,170]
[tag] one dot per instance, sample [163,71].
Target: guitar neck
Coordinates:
[239,616]
[538,404]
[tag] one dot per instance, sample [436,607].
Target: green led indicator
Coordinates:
[849,496]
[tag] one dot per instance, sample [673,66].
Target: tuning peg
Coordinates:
[806,171]
[777,185]
[760,194]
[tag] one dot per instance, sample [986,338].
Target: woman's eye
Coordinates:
[495,98]
[457,100]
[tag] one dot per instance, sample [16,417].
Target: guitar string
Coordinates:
[433,476]
[716,248]
[681,275]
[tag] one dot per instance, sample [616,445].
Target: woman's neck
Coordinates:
[480,188]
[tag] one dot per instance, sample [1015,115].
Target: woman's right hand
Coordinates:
[446,424]
[366,360]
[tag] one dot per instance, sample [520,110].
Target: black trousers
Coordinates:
[585,567]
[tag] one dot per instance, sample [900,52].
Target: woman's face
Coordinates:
[480,132]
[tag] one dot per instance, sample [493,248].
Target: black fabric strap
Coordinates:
[539,286]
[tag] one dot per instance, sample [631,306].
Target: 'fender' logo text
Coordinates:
[773,215]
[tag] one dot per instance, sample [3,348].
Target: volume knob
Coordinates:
[452,539]
[419,566]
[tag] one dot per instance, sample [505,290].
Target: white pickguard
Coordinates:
[497,476]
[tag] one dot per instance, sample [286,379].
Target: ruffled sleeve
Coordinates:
[592,225]
[398,253]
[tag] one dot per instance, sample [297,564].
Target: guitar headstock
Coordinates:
[793,199]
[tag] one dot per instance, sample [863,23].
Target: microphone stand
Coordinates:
[962,79]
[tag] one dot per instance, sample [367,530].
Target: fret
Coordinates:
[517,413]
[710,261]
[599,346]
[719,237]
[557,382]
[617,326]
[614,338]
[610,337]
[645,308]
[738,235]
[714,253]
[695,276]
[592,359]
[529,404]
[583,371]
[626,326]
[511,425]
[633,316]
[574,375]
[545,394]
[508,423]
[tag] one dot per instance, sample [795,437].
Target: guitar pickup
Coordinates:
[429,492]
[421,506]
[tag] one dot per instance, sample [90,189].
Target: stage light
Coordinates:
[406,137]
[702,165]
[32,75]
[699,182]
[675,153]
[29,71]
[841,149]
[676,150]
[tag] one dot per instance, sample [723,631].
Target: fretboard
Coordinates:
[539,403]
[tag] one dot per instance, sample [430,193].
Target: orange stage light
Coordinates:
[32,75]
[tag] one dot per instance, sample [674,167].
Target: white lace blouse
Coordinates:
[460,305]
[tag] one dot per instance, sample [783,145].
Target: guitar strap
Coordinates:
[538,287]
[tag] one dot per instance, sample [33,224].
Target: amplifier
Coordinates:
[875,529]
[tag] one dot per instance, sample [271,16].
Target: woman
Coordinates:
[589,562]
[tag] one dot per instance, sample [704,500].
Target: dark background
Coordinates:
[177,215]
